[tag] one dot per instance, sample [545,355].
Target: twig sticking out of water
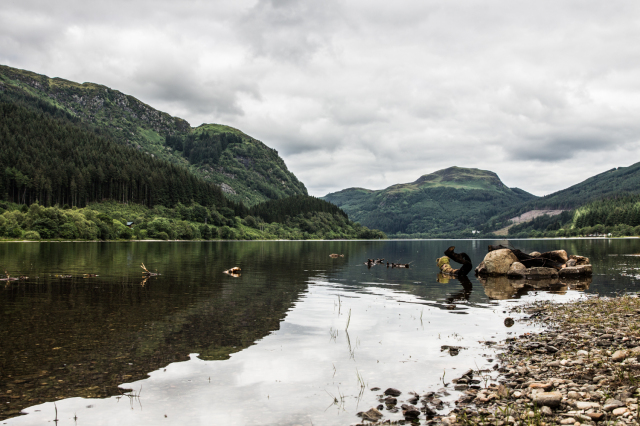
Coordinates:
[348,320]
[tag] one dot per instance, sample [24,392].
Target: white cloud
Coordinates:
[367,93]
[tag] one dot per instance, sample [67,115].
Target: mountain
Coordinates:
[615,183]
[452,201]
[244,168]
[61,179]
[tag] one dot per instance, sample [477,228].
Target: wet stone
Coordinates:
[392,392]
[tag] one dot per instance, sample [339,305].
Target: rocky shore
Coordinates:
[582,370]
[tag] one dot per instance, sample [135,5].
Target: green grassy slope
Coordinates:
[246,169]
[449,202]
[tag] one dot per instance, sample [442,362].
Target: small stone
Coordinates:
[568,421]
[508,322]
[620,411]
[392,392]
[573,395]
[596,416]
[550,399]
[584,405]
[373,415]
[611,404]
[375,389]
[390,400]
[619,356]
[546,411]
[544,386]
[410,411]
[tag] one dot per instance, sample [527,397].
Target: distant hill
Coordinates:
[614,183]
[617,181]
[455,200]
[244,168]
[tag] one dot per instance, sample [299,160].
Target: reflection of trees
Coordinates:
[84,337]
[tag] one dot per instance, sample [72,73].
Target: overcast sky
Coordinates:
[367,93]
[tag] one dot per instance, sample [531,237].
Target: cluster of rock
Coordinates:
[583,370]
[505,262]
[430,405]
[513,269]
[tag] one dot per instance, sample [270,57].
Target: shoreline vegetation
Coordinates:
[297,218]
[583,368]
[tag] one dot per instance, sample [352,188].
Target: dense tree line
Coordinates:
[53,160]
[50,158]
[618,216]
[203,148]
[111,220]
[279,210]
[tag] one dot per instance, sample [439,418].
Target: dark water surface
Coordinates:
[195,346]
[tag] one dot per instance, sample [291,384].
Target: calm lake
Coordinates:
[298,338]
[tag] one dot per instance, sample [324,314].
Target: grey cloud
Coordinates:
[289,30]
[366,93]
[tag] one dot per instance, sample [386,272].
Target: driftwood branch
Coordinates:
[461,258]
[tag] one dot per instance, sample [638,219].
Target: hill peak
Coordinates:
[463,177]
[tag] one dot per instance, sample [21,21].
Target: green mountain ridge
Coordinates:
[615,183]
[246,169]
[440,203]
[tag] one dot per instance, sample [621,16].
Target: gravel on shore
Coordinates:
[583,369]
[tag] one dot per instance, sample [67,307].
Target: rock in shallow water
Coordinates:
[392,392]
[373,415]
[498,262]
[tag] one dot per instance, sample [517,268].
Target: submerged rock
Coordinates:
[516,269]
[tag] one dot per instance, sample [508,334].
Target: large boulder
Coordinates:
[561,254]
[498,262]
[576,271]
[516,270]
[540,273]
[580,260]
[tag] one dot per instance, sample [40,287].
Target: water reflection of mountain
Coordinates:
[83,337]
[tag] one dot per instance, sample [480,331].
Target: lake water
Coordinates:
[298,338]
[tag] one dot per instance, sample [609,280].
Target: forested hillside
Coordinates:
[55,161]
[605,189]
[108,221]
[247,170]
[448,203]
[61,179]
[618,216]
